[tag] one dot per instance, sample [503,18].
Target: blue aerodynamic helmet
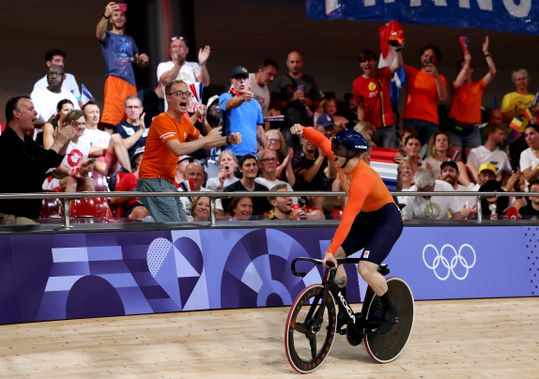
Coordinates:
[349,143]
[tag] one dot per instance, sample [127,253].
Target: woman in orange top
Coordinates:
[371,220]
[465,112]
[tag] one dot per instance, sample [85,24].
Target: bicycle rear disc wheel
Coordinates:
[310,329]
[387,347]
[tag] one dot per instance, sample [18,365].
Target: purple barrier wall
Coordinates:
[63,276]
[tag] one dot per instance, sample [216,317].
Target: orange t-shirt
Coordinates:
[366,190]
[158,161]
[466,104]
[421,95]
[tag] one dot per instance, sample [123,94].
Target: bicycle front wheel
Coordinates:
[310,329]
[387,347]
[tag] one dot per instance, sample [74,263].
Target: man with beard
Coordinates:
[120,52]
[242,114]
[449,171]
[490,152]
[172,135]
[46,99]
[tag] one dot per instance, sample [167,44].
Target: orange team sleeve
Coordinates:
[319,140]
[359,190]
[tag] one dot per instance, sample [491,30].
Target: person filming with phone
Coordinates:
[424,88]
[120,52]
[242,114]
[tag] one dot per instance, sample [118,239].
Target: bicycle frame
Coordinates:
[353,320]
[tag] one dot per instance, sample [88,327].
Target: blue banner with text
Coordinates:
[514,16]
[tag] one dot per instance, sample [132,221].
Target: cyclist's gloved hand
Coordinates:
[329,260]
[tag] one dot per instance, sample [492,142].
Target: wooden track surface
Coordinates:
[451,339]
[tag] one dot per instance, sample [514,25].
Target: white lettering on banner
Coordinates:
[371,3]
[521,10]
[438,3]
[485,5]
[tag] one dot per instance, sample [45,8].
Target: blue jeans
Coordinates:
[162,209]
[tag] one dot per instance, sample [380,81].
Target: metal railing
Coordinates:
[216,195]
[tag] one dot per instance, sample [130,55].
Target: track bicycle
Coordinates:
[312,320]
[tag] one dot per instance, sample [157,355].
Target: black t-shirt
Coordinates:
[319,183]
[260,204]
[528,212]
[126,130]
[23,168]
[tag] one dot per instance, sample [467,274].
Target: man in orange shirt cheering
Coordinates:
[166,141]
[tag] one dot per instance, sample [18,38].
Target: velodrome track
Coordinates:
[484,338]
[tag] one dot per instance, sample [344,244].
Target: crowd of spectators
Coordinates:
[175,138]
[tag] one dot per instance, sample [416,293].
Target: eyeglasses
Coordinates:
[175,38]
[55,73]
[268,160]
[181,94]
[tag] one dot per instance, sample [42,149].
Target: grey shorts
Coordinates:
[163,209]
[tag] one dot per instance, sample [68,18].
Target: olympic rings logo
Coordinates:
[450,261]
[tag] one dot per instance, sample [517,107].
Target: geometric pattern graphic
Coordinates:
[77,275]
[531,237]
[78,270]
[257,270]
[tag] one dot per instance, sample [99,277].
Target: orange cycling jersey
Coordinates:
[366,191]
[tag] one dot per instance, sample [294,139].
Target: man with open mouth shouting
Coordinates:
[171,135]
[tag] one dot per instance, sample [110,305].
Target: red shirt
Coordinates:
[373,95]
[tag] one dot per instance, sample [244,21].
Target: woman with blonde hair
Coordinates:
[201,208]
[276,142]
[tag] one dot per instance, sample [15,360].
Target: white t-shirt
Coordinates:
[466,201]
[69,84]
[45,102]
[528,159]
[435,208]
[97,138]
[479,155]
[262,93]
[213,183]
[188,73]
[75,153]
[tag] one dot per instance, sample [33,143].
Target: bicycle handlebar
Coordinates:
[318,261]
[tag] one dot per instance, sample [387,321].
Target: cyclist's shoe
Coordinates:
[390,318]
